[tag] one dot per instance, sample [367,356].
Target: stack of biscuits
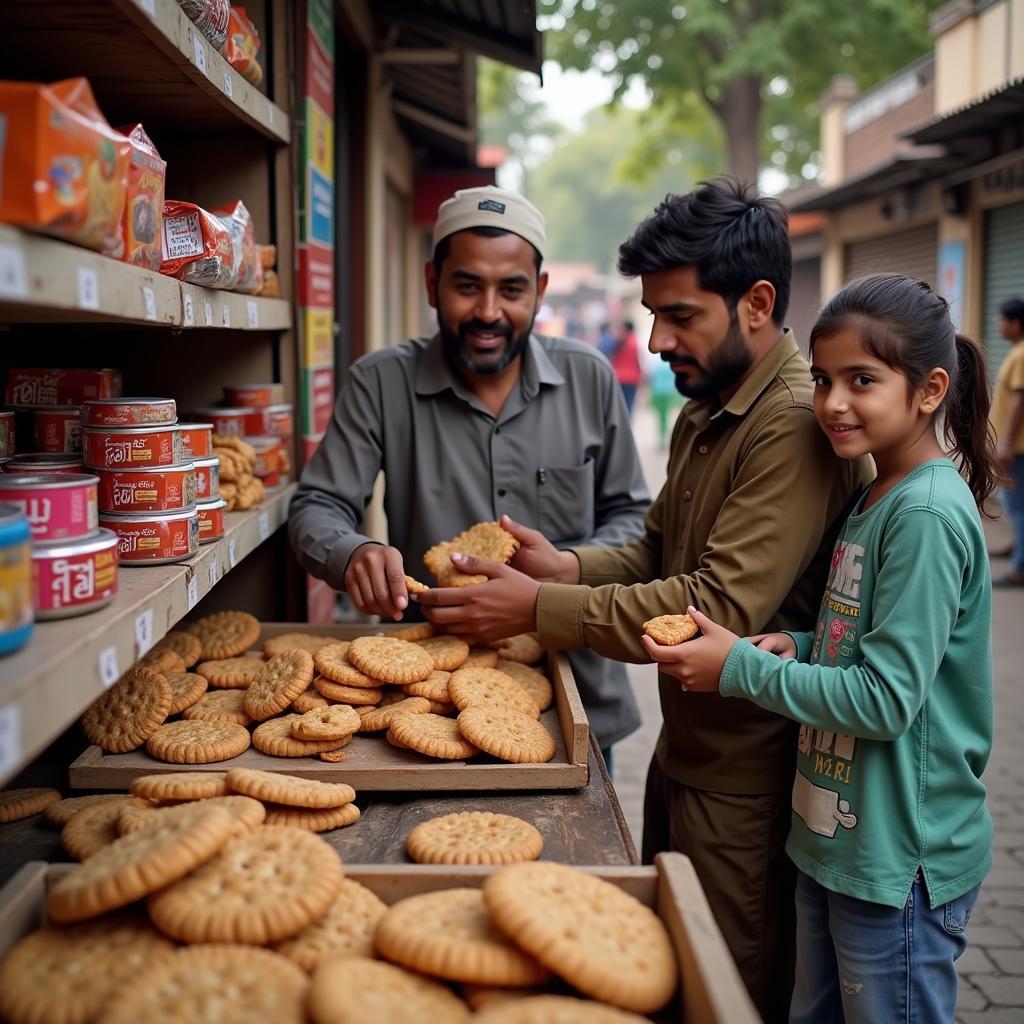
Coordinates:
[239,486]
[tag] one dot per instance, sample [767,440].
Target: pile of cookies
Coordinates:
[484,540]
[239,487]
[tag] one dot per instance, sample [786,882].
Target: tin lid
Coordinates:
[130,429]
[129,401]
[211,506]
[213,460]
[37,481]
[195,426]
[98,540]
[156,517]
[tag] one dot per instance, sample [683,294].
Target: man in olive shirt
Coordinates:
[483,418]
[743,530]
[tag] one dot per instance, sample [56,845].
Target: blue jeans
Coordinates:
[865,963]
[1013,502]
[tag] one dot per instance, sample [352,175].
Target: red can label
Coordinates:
[66,582]
[145,540]
[207,479]
[112,448]
[57,429]
[57,507]
[196,440]
[227,421]
[211,521]
[268,459]
[255,396]
[6,433]
[60,387]
[129,412]
[280,420]
[172,489]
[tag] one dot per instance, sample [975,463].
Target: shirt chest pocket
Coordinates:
[565,502]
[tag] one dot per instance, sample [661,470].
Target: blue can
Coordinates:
[16,617]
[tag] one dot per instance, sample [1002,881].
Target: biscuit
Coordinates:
[162,660]
[230,673]
[309,700]
[60,812]
[332,663]
[441,566]
[278,683]
[417,631]
[597,937]
[288,789]
[434,687]
[443,707]
[245,812]
[551,1009]
[669,630]
[394,661]
[275,737]
[487,687]
[312,820]
[310,642]
[474,837]
[225,634]
[480,996]
[383,993]
[507,733]
[481,657]
[524,648]
[341,692]
[378,719]
[186,689]
[432,735]
[448,652]
[535,683]
[262,887]
[184,645]
[212,984]
[197,742]
[332,722]
[16,804]
[345,930]
[95,827]
[414,586]
[449,934]
[135,865]
[485,540]
[219,706]
[129,712]
[68,973]
[332,756]
[180,786]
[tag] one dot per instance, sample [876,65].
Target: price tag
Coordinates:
[13,279]
[252,311]
[214,576]
[149,299]
[149,6]
[189,311]
[270,112]
[108,666]
[229,89]
[208,311]
[143,632]
[199,49]
[10,739]
[193,593]
[225,316]
[264,526]
[232,552]
[88,288]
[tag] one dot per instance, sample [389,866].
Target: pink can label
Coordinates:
[74,581]
[53,513]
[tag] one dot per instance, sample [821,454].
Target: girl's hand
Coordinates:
[774,643]
[697,664]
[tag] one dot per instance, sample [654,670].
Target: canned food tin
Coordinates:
[154,539]
[58,506]
[60,387]
[196,440]
[57,428]
[255,396]
[113,447]
[280,420]
[268,459]
[211,520]
[207,479]
[129,412]
[74,577]
[46,462]
[226,421]
[16,619]
[155,489]
[6,432]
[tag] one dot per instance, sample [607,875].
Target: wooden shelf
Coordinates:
[144,58]
[45,280]
[46,685]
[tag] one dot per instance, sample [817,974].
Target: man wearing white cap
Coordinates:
[484,418]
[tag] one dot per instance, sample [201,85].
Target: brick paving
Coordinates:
[992,969]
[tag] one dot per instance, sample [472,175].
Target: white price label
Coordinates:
[232,552]
[88,288]
[252,311]
[208,312]
[193,593]
[225,316]
[13,278]
[149,300]
[189,311]
[264,526]
[10,738]
[199,49]
[149,6]
[213,571]
[108,666]
[229,89]
[270,112]
[143,632]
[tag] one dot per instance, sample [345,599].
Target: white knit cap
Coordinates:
[492,208]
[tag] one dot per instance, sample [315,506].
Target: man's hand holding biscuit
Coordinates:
[375,580]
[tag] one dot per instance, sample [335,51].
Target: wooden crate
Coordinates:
[712,992]
[371,763]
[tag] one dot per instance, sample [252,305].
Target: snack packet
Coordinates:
[246,271]
[143,211]
[210,17]
[242,45]
[196,246]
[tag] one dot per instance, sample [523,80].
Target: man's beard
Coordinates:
[458,352]
[726,365]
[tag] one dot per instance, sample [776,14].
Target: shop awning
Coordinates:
[995,110]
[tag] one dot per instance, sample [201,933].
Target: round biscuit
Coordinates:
[393,661]
[331,722]
[323,820]
[432,735]
[16,804]
[230,673]
[60,812]
[219,706]
[474,837]
[345,694]
[180,786]
[535,683]
[379,719]
[186,689]
[507,733]
[332,663]
[488,687]
[95,827]
[198,742]
[278,683]
[274,737]
[311,642]
[434,687]
[245,812]
[184,645]
[225,634]
[448,652]
[129,712]
[278,788]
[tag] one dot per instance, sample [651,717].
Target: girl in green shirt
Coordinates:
[893,689]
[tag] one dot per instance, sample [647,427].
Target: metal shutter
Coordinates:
[914,252]
[1003,275]
[804,299]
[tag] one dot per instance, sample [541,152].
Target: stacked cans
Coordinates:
[147,484]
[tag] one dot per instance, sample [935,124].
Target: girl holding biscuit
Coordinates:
[893,689]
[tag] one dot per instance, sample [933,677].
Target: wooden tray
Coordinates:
[371,763]
[712,992]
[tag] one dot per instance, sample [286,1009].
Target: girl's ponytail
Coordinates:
[967,428]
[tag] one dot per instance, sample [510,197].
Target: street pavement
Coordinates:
[992,968]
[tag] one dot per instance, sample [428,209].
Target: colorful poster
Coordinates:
[952,268]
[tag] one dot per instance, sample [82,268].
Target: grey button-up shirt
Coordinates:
[560,458]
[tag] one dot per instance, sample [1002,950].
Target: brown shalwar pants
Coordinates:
[737,846]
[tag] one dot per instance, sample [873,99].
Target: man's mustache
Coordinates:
[471,326]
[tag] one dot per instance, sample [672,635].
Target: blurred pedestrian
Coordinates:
[665,399]
[626,362]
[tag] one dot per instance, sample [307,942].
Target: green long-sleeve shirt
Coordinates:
[896,704]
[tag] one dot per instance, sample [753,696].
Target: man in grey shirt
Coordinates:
[484,418]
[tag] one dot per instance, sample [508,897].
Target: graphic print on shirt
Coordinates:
[827,758]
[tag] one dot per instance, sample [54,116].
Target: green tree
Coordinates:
[759,66]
